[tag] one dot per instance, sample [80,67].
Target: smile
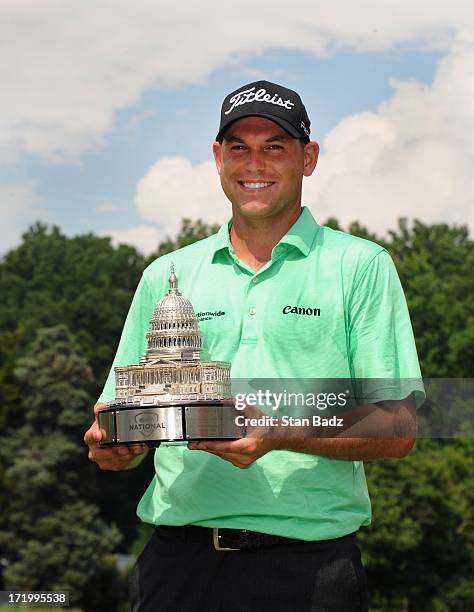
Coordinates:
[256,185]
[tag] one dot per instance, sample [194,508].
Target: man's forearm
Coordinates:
[372,431]
[349,449]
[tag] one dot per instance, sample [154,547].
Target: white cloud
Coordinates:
[144,237]
[173,188]
[70,66]
[413,157]
[18,210]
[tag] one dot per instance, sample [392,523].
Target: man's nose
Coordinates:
[255,160]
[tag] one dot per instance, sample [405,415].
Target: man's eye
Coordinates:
[275,147]
[237,148]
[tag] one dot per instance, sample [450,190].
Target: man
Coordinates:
[292,513]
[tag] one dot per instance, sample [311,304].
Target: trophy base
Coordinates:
[169,422]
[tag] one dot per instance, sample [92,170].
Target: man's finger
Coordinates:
[121,462]
[98,407]
[93,435]
[218,447]
[118,452]
[115,456]
[244,445]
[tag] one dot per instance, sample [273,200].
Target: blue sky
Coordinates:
[77,159]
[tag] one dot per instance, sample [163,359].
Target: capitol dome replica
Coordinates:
[172,368]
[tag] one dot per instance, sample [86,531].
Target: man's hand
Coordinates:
[241,453]
[114,457]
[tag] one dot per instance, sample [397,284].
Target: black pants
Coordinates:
[178,576]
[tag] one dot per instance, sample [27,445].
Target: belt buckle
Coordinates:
[216,536]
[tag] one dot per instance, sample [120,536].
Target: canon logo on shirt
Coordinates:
[301,310]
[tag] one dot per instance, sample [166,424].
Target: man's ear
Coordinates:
[217,149]
[311,154]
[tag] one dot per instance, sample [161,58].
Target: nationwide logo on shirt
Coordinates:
[209,314]
[301,310]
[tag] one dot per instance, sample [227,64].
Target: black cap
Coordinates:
[269,100]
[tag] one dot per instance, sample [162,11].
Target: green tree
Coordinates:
[83,282]
[419,550]
[10,392]
[435,263]
[10,388]
[190,231]
[356,229]
[53,537]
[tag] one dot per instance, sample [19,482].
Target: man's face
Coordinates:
[261,168]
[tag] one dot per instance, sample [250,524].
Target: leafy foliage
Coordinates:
[435,263]
[10,388]
[82,282]
[419,551]
[191,231]
[52,537]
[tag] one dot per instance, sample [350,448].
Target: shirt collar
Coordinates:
[300,235]
[222,238]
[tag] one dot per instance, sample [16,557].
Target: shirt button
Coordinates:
[252,311]
[255,279]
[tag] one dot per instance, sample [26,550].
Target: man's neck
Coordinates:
[253,239]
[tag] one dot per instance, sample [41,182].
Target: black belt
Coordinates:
[230,539]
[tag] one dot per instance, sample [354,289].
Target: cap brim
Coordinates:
[288,127]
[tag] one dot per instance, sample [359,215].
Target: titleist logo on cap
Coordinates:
[269,100]
[250,95]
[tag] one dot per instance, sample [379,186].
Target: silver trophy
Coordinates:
[173,394]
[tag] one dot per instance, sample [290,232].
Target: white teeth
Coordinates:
[256,185]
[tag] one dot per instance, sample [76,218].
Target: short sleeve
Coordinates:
[132,343]
[381,342]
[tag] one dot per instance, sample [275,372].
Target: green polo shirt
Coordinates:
[350,321]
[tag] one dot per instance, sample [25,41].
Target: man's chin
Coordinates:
[257,215]
[255,210]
